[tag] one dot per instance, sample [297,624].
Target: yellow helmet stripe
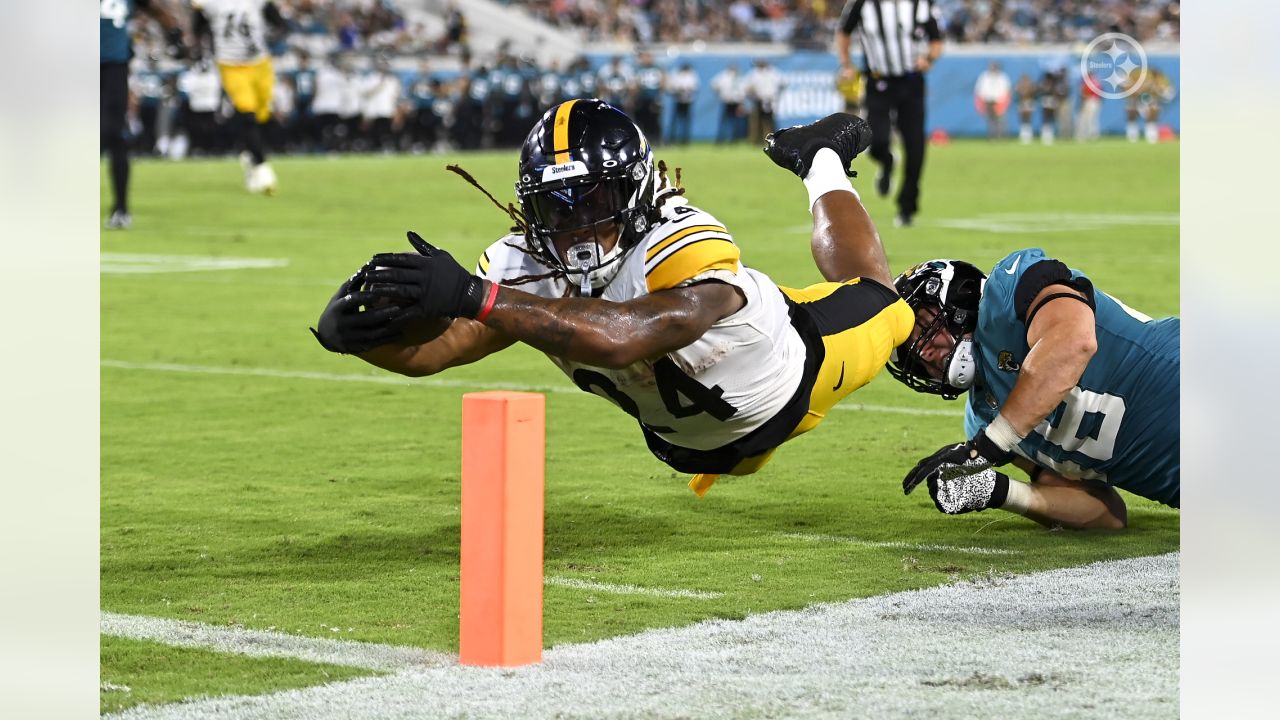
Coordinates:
[560,132]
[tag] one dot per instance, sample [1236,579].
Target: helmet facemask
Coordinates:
[606,207]
[952,289]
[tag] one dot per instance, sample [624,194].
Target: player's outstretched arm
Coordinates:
[1052,500]
[465,341]
[431,284]
[613,335]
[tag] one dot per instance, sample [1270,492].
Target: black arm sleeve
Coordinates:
[851,16]
[272,15]
[1041,275]
[931,29]
[200,26]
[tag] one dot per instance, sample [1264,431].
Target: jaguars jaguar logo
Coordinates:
[1005,362]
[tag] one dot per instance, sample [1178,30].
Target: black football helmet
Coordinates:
[953,288]
[585,163]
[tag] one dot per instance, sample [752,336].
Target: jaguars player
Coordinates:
[643,299]
[237,31]
[115,49]
[1063,380]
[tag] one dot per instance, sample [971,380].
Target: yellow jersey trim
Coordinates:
[680,235]
[693,259]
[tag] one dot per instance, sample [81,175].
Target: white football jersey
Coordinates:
[239,29]
[728,382]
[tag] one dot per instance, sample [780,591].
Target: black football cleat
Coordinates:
[793,148]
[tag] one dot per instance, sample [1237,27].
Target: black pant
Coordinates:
[114,139]
[647,115]
[730,118]
[680,123]
[904,98]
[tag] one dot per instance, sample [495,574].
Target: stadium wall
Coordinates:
[809,87]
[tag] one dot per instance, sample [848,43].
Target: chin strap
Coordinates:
[963,367]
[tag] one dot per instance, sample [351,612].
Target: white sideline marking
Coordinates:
[1049,222]
[387,379]
[629,589]
[266,643]
[846,540]
[128,263]
[1098,641]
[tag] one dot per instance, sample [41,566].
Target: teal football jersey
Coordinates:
[1119,425]
[114,45]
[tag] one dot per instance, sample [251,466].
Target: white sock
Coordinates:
[1153,132]
[1131,131]
[826,174]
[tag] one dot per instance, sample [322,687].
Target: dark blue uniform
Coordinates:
[1119,425]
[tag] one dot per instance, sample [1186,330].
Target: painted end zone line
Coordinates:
[387,379]
[845,540]
[267,643]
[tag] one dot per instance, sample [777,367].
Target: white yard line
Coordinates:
[131,264]
[1093,641]
[847,540]
[388,379]
[577,584]
[266,643]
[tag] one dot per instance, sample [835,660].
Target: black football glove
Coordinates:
[345,328]
[968,493]
[426,284]
[951,461]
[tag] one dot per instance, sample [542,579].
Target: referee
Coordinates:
[900,42]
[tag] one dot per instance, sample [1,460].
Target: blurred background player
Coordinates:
[1156,90]
[683,86]
[900,43]
[1087,128]
[1063,380]
[204,96]
[992,92]
[1049,94]
[1026,90]
[732,91]
[764,85]
[647,103]
[852,87]
[115,49]
[236,30]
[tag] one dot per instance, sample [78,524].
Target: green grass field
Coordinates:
[239,490]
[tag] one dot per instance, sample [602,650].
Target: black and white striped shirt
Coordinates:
[895,34]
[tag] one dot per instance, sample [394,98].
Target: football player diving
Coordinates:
[643,299]
[1064,381]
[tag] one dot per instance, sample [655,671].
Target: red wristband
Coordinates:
[490,298]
